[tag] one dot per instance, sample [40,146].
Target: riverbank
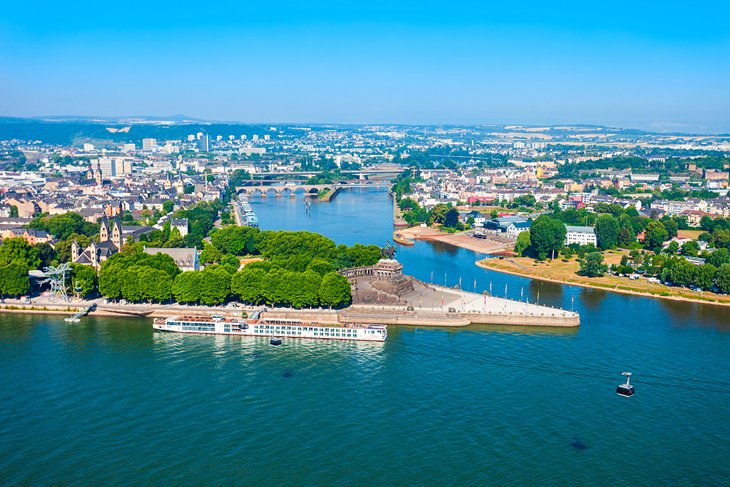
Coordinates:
[327,195]
[427,305]
[491,244]
[561,272]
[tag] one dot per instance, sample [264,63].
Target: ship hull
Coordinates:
[377,334]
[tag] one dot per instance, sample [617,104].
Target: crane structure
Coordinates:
[56,277]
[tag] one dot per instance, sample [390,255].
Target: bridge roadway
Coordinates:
[309,189]
[355,172]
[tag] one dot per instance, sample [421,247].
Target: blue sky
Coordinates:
[657,65]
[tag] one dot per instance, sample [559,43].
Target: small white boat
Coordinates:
[72,319]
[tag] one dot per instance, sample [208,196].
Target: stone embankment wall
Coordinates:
[395,316]
[520,319]
[320,316]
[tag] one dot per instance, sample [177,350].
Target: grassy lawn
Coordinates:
[566,272]
[693,234]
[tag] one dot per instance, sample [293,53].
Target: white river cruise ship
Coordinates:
[271,327]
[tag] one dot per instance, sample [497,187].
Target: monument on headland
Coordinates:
[382,283]
[382,293]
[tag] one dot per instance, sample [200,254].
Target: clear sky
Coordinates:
[649,64]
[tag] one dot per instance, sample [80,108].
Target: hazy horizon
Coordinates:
[657,66]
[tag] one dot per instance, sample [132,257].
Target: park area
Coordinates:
[560,271]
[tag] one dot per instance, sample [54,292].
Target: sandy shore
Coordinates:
[612,284]
[493,244]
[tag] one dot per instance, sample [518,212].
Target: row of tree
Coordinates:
[298,269]
[138,277]
[680,272]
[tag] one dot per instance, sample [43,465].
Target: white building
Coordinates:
[186,259]
[149,144]
[181,224]
[113,166]
[580,235]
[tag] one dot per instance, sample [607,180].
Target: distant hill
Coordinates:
[76,130]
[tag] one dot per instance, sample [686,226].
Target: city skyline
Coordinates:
[655,67]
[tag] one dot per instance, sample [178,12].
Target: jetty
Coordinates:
[75,318]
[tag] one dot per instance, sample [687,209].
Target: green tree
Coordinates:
[451,218]
[626,236]
[14,280]
[723,278]
[592,265]
[154,285]
[673,247]
[671,226]
[522,243]
[706,223]
[46,254]
[438,214]
[110,280]
[691,248]
[215,286]
[284,244]
[682,273]
[335,291]
[235,240]
[210,254]
[321,266]
[705,276]
[247,285]
[274,287]
[84,280]
[655,235]
[719,257]
[547,236]
[175,239]
[607,231]
[186,287]
[168,206]
[16,250]
[61,226]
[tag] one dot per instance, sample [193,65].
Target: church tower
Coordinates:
[75,251]
[117,232]
[104,229]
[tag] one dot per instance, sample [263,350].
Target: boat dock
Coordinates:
[82,312]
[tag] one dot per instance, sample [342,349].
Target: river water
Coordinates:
[108,401]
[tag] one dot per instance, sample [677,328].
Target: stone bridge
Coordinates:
[312,189]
